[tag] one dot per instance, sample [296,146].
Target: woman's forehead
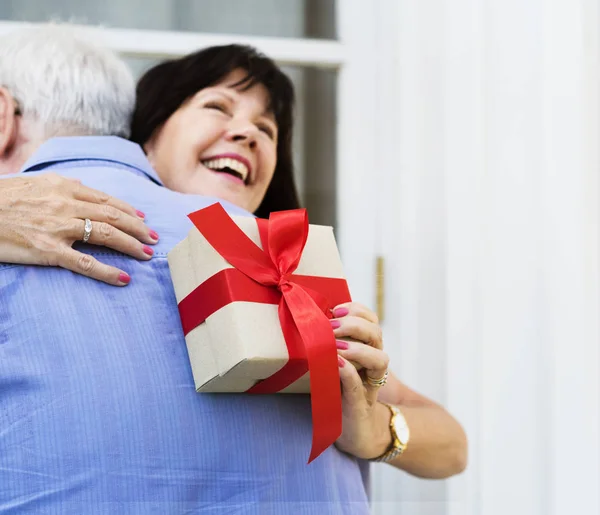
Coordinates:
[237,78]
[235,87]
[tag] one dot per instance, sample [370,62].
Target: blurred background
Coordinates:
[454,146]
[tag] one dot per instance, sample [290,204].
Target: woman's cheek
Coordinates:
[268,160]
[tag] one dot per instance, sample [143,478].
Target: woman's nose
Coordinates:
[241,132]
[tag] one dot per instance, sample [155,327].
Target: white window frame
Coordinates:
[161,44]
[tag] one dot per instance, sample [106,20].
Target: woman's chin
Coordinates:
[221,191]
[235,198]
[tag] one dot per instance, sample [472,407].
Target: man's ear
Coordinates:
[8,122]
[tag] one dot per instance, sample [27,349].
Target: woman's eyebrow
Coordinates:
[221,91]
[269,115]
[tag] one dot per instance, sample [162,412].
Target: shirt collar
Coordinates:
[101,148]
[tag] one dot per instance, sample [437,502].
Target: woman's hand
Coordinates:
[365,432]
[42,216]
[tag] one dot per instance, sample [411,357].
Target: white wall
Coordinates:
[490,232]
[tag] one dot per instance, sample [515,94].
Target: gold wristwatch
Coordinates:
[400,435]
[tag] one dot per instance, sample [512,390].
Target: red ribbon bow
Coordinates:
[267,276]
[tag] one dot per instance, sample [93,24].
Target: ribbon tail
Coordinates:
[321,355]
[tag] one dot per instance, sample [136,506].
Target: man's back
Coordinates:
[98,412]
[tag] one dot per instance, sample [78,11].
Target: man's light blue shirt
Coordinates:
[98,412]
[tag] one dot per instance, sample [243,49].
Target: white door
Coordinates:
[492,233]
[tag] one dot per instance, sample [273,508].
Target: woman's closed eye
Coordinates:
[267,129]
[217,106]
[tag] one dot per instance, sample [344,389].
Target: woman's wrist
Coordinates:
[372,438]
[382,435]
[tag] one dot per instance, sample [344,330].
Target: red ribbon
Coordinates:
[267,276]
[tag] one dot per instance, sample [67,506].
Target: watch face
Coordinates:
[401,429]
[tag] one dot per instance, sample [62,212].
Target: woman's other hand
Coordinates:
[438,444]
[42,216]
[363,434]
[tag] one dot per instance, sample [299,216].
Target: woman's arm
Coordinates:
[42,216]
[438,444]
[437,447]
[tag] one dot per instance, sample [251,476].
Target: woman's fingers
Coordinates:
[71,199]
[89,266]
[359,396]
[47,215]
[355,309]
[353,320]
[108,236]
[358,328]
[374,361]
[353,392]
[112,216]
[86,194]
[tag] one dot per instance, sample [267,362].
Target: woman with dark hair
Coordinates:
[178,99]
[218,123]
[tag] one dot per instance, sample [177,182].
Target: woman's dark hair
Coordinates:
[165,87]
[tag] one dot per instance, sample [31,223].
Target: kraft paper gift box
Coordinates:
[242,343]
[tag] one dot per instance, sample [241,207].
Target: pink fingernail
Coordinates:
[341,362]
[335,324]
[140,214]
[148,250]
[341,344]
[340,312]
[124,278]
[154,235]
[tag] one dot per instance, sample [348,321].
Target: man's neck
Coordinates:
[18,156]
[31,136]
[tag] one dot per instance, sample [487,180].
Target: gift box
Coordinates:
[255,297]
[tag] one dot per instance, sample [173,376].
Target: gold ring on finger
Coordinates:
[377,382]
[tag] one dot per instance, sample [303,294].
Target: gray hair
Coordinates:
[65,83]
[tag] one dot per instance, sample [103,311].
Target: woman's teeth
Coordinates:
[223,163]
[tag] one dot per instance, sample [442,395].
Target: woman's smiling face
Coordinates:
[222,142]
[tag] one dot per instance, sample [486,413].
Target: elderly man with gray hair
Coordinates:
[98,413]
[55,85]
